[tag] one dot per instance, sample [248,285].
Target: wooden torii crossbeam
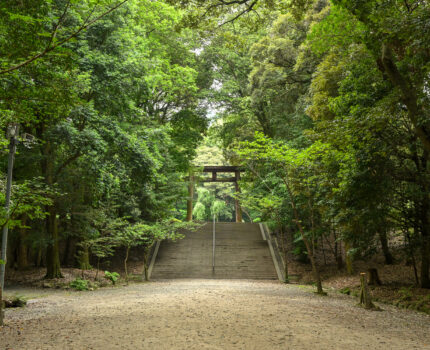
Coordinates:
[222,169]
[215,169]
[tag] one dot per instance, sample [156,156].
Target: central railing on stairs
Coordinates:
[213,246]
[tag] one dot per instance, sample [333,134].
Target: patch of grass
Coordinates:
[405,294]
[345,290]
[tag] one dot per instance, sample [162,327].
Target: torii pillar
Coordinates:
[236,200]
[190,198]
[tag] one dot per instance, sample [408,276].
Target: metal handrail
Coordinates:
[213,246]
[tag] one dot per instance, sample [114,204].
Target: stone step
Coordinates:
[240,253]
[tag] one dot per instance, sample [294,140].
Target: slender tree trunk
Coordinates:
[125,263]
[425,227]
[411,252]
[98,269]
[22,247]
[145,264]
[284,252]
[68,249]
[39,257]
[84,259]
[53,268]
[425,249]
[338,256]
[384,245]
[315,270]
[348,258]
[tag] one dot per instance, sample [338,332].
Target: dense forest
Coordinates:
[324,103]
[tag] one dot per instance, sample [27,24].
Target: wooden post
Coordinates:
[365,298]
[190,198]
[236,201]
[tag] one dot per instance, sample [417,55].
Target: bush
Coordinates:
[79,284]
[112,276]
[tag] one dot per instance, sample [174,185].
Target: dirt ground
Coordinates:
[207,314]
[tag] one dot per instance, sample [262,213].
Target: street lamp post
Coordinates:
[12,135]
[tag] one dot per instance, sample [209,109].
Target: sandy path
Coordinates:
[209,314]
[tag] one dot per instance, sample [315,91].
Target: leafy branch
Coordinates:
[51,46]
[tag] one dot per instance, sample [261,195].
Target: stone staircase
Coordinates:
[240,253]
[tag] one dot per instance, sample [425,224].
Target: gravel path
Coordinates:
[209,314]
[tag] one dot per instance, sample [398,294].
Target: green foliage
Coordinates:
[345,290]
[15,301]
[405,294]
[112,276]
[30,198]
[219,208]
[79,284]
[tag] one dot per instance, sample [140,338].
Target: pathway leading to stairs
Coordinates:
[209,314]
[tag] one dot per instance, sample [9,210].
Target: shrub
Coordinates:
[112,276]
[79,284]
[16,301]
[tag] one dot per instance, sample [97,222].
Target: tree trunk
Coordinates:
[145,264]
[338,256]
[39,256]
[22,247]
[348,259]
[67,249]
[84,259]
[53,268]
[284,253]
[315,271]
[425,256]
[411,253]
[125,263]
[98,269]
[425,229]
[374,277]
[384,244]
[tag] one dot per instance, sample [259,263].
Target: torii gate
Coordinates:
[215,170]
